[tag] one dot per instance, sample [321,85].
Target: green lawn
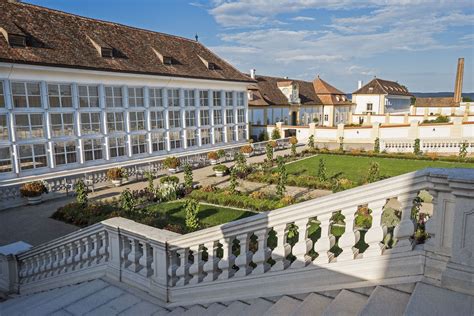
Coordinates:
[355,168]
[209,215]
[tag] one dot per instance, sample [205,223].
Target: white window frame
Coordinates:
[66,152]
[60,95]
[173,97]
[62,130]
[115,144]
[114,123]
[27,95]
[188,98]
[216,98]
[115,99]
[29,128]
[156,97]
[87,128]
[158,141]
[135,100]
[190,118]
[203,98]
[137,123]
[205,119]
[96,149]
[88,98]
[157,120]
[229,98]
[174,118]
[6,159]
[175,143]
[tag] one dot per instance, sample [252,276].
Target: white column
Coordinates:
[146,103]
[166,119]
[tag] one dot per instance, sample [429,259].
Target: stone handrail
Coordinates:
[197,267]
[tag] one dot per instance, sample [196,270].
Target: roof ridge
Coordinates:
[56,11]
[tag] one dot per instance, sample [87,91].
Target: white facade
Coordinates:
[381,103]
[54,119]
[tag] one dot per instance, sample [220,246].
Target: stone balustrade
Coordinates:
[235,260]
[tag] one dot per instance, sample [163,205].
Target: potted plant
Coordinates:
[172,163]
[221,153]
[33,191]
[169,180]
[274,144]
[220,170]
[246,150]
[116,175]
[212,156]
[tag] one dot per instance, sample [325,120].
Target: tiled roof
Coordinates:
[64,40]
[380,86]
[318,92]
[435,102]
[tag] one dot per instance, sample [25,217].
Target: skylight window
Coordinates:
[167,60]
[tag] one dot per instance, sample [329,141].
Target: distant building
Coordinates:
[445,105]
[295,103]
[77,92]
[380,97]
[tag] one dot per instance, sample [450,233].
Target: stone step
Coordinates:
[283,307]
[176,311]
[234,309]
[115,306]
[346,303]
[143,308]
[215,309]
[59,301]
[195,310]
[386,301]
[92,302]
[431,300]
[313,305]
[257,307]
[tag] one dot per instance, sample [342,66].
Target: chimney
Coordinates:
[359,84]
[252,73]
[458,83]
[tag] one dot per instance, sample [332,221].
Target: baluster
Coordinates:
[182,273]
[134,255]
[36,267]
[325,242]
[94,251]
[77,246]
[430,226]
[102,247]
[70,257]
[63,260]
[350,237]
[126,249]
[210,268]
[302,246]
[404,231]
[282,250]
[245,256]
[195,270]
[55,263]
[227,261]
[85,260]
[49,263]
[172,267]
[146,260]
[376,233]
[260,258]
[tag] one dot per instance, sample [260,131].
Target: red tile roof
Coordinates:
[318,92]
[380,86]
[61,39]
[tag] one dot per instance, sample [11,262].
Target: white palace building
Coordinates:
[78,92]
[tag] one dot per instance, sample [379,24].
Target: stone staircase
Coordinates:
[104,297]
[122,267]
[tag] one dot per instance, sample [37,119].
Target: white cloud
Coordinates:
[303,18]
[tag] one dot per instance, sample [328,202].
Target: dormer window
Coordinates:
[167,60]
[212,66]
[107,52]
[17,40]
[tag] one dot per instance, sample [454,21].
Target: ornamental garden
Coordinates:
[246,188]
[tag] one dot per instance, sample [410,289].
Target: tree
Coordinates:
[188,176]
[293,142]
[191,209]
[377,145]
[463,150]
[81,192]
[269,152]
[311,142]
[149,177]
[233,180]
[322,172]
[276,133]
[282,178]
[416,147]
[374,172]
[127,200]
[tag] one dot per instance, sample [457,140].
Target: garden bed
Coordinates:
[168,215]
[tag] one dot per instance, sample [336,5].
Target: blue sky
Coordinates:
[415,42]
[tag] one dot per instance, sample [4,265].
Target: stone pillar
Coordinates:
[375,133]
[413,130]
[9,282]
[456,129]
